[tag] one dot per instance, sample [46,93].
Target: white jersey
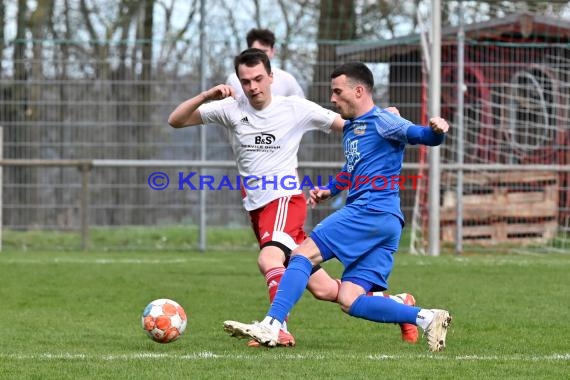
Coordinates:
[284,84]
[265,142]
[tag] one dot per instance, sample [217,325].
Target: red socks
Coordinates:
[273,278]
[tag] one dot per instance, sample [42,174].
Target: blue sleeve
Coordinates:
[334,185]
[391,126]
[418,134]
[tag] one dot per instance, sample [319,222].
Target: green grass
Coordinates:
[120,238]
[76,315]
[186,238]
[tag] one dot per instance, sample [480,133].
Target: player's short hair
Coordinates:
[251,57]
[265,36]
[357,72]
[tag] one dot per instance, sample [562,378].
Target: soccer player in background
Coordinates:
[265,131]
[284,83]
[365,233]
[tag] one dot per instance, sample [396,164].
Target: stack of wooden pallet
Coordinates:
[503,207]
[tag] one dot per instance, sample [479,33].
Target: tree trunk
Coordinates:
[141,215]
[15,135]
[336,23]
[2,22]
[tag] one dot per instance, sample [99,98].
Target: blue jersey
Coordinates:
[365,233]
[374,146]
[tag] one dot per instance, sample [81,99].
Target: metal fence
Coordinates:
[511,107]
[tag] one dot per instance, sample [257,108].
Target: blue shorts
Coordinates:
[363,240]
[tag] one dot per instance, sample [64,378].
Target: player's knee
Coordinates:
[269,258]
[309,250]
[261,261]
[347,294]
[345,302]
[326,294]
[344,307]
[295,252]
[322,286]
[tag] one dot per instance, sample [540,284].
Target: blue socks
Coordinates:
[377,309]
[381,309]
[291,287]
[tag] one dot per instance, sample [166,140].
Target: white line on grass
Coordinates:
[206,355]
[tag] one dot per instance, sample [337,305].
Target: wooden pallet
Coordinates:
[509,207]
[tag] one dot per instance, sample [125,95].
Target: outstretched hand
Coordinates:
[438,125]
[318,195]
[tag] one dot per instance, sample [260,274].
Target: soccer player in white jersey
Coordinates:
[265,132]
[284,83]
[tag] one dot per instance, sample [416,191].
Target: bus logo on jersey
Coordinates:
[352,154]
[359,128]
[264,139]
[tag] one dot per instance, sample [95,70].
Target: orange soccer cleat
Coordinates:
[409,331]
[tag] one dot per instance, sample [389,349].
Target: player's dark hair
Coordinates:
[251,57]
[357,72]
[265,36]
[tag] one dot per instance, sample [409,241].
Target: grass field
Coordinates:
[76,315]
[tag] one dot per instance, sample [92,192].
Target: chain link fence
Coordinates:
[64,105]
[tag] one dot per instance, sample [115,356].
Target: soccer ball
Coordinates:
[164,320]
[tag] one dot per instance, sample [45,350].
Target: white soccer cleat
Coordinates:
[437,330]
[258,331]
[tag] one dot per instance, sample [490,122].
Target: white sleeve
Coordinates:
[293,87]
[217,112]
[235,83]
[315,117]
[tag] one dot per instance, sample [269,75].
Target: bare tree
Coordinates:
[2,22]
[120,37]
[295,20]
[21,111]
[337,22]
[385,19]
[145,95]
[39,26]
[176,43]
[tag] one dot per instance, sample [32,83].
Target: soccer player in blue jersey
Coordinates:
[364,234]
